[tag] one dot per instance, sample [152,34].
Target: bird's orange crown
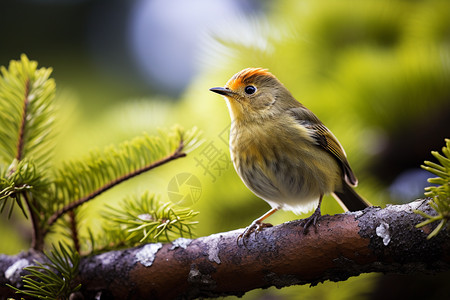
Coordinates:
[246,76]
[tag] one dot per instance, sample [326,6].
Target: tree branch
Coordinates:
[176,154]
[344,245]
[37,241]
[21,138]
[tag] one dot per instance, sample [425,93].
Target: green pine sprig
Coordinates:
[55,279]
[26,126]
[440,193]
[28,112]
[80,181]
[146,218]
[27,117]
[21,177]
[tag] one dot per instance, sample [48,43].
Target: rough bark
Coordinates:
[341,246]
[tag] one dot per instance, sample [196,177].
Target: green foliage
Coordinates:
[84,178]
[28,112]
[26,124]
[146,218]
[26,121]
[440,193]
[55,279]
[47,194]
[19,178]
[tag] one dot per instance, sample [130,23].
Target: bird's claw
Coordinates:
[254,227]
[311,220]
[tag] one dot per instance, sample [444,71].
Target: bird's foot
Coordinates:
[255,227]
[311,220]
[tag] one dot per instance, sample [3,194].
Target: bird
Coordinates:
[282,152]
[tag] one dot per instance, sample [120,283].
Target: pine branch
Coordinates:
[44,194]
[440,193]
[37,239]
[139,219]
[343,245]
[109,185]
[83,181]
[53,279]
[20,185]
[26,122]
[74,230]
[27,114]
[21,139]
[147,219]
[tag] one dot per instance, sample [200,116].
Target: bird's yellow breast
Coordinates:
[265,140]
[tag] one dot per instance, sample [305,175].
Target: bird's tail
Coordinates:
[349,199]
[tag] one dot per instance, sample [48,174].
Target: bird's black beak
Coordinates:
[222,91]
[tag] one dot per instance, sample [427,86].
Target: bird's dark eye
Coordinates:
[250,89]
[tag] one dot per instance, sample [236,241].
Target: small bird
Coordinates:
[282,151]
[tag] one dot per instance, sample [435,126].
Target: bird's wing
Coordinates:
[325,139]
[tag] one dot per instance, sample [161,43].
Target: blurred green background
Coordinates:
[377,73]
